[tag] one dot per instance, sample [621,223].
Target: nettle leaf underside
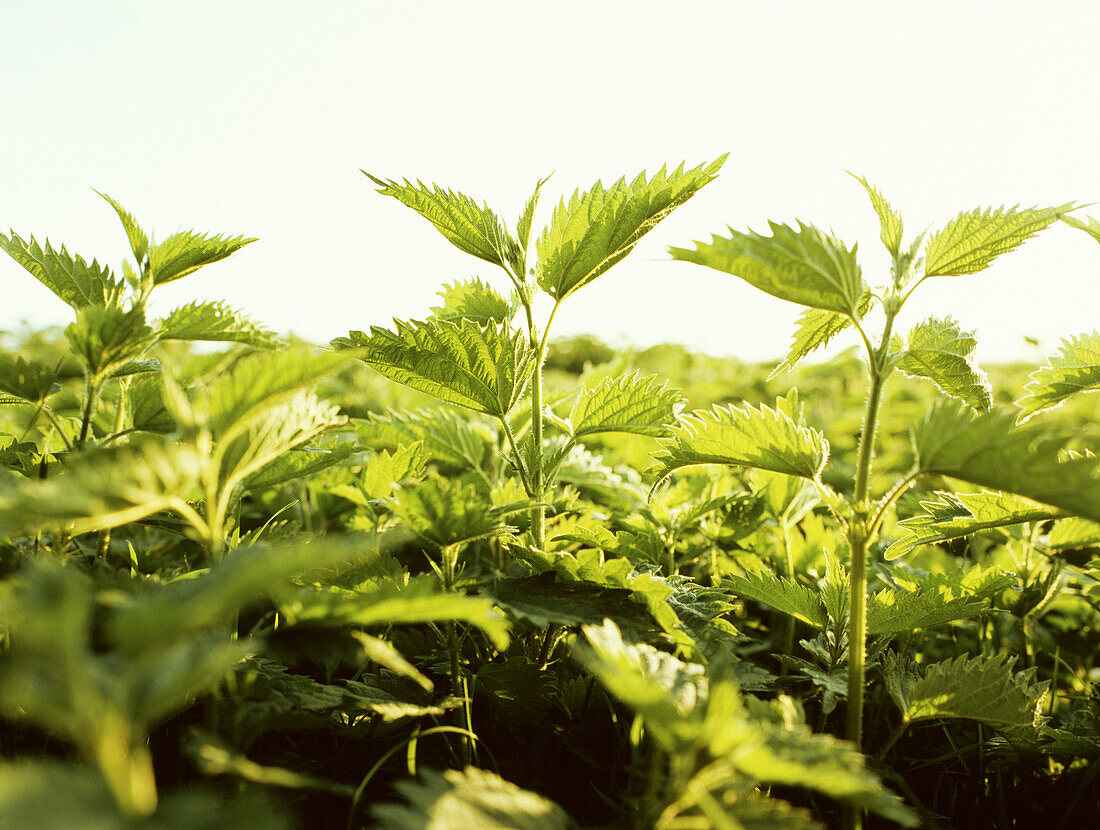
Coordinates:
[484,368]
[636,404]
[596,229]
[473,300]
[214,321]
[803,265]
[889,219]
[816,327]
[758,437]
[186,252]
[1075,369]
[972,240]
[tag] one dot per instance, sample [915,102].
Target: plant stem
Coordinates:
[91,392]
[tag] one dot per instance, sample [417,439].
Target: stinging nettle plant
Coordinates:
[472,353]
[963,436]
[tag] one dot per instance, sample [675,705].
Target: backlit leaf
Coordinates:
[1076,368]
[803,265]
[186,252]
[484,368]
[28,381]
[636,404]
[66,275]
[776,592]
[473,300]
[453,437]
[889,219]
[139,240]
[105,338]
[943,353]
[746,437]
[988,450]
[1091,227]
[596,229]
[971,241]
[304,461]
[464,799]
[214,321]
[816,328]
[475,230]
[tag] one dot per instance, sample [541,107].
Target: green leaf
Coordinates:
[421,601]
[750,436]
[943,353]
[596,229]
[105,338]
[214,321]
[804,266]
[447,513]
[304,461]
[815,329]
[262,381]
[28,381]
[484,368]
[889,219]
[892,612]
[452,437]
[1076,368]
[776,592]
[545,600]
[957,515]
[475,230]
[461,800]
[104,488]
[1071,533]
[186,252]
[523,229]
[146,406]
[1092,227]
[139,240]
[980,688]
[473,300]
[384,470]
[68,276]
[971,241]
[636,404]
[988,450]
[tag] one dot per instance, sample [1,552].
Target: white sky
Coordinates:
[254,118]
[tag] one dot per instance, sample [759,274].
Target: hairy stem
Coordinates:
[91,396]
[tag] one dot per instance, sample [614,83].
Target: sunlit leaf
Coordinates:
[214,321]
[26,380]
[1076,368]
[139,240]
[971,241]
[776,592]
[747,437]
[66,275]
[641,405]
[803,265]
[596,229]
[889,219]
[484,368]
[816,328]
[453,437]
[185,252]
[105,338]
[473,300]
[476,230]
[940,351]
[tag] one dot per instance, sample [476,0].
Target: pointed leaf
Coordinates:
[957,515]
[1076,368]
[776,592]
[304,461]
[636,404]
[940,351]
[213,321]
[989,451]
[447,513]
[146,406]
[139,240]
[66,275]
[1071,533]
[804,266]
[523,228]
[31,382]
[815,329]
[1092,227]
[473,300]
[452,437]
[888,218]
[476,230]
[892,612]
[484,368]
[596,229]
[186,252]
[971,241]
[384,470]
[104,488]
[105,338]
[979,688]
[461,800]
[747,437]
